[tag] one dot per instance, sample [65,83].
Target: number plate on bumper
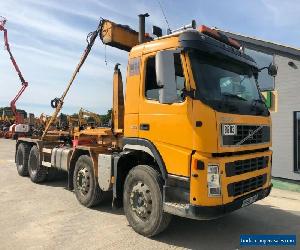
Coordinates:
[249,200]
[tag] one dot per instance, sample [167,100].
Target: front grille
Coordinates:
[245,166]
[242,135]
[245,186]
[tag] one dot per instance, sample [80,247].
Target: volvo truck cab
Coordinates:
[200,107]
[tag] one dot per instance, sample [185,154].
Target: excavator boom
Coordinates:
[18,118]
[83,112]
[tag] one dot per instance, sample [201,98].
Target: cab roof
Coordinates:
[191,38]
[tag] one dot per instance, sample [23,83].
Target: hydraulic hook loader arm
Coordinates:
[24,83]
[57,103]
[115,35]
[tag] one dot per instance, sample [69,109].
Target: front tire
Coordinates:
[37,172]
[86,188]
[143,203]
[22,159]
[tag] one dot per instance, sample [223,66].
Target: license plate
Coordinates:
[249,200]
[229,129]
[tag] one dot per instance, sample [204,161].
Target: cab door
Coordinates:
[167,126]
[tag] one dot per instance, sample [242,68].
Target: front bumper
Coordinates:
[199,194]
[212,212]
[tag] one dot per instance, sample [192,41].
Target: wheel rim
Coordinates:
[83,181]
[141,200]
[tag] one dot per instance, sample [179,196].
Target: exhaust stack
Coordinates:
[142,18]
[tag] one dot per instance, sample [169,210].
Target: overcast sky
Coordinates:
[48,37]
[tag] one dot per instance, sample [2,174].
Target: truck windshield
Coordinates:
[226,85]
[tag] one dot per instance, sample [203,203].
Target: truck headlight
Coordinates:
[213,180]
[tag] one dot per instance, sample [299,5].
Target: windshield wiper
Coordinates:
[234,96]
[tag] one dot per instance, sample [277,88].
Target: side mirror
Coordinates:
[165,76]
[272,70]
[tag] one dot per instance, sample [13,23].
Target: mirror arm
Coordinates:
[262,68]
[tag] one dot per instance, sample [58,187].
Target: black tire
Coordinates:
[22,159]
[52,174]
[55,174]
[152,222]
[37,172]
[86,187]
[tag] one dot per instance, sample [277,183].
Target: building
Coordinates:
[286,114]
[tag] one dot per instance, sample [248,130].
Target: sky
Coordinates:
[47,39]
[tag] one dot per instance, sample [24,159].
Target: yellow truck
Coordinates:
[191,137]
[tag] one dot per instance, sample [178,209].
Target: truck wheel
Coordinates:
[52,174]
[55,174]
[22,159]
[37,172]
[86,188]
[142,199]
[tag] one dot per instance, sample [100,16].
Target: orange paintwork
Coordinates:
[199,184]
[173,127]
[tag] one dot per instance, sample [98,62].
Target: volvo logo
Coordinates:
[226,119]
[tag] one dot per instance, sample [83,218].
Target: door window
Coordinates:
[151,87]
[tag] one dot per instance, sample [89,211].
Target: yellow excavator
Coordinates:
[83,118]
[191,138]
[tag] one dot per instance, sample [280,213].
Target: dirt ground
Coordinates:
[48,216]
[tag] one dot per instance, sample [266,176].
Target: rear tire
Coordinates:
[22,159]
[37,172]
[86,188]
[55,174]
[52,174]
[143,203]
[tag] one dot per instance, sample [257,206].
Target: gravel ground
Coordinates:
[48,216]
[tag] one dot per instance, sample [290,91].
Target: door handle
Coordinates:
[144,126]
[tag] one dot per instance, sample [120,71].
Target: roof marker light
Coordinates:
[219,36]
